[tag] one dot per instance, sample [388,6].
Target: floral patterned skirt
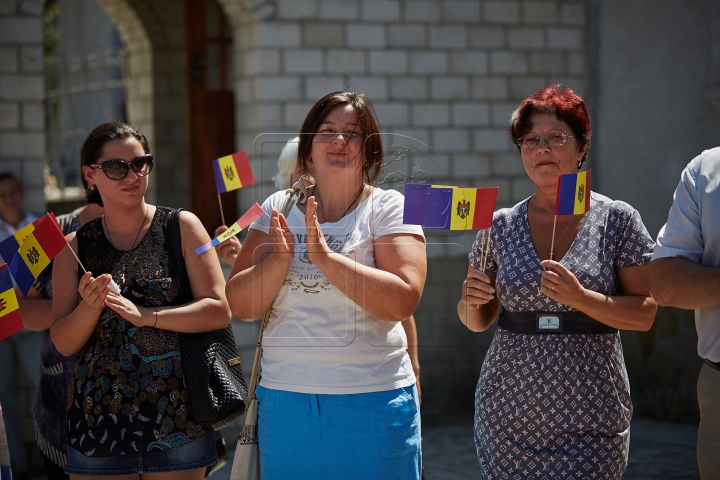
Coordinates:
[553,406]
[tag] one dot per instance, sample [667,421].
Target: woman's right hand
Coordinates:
[477,289]
[281,236]
[94,290]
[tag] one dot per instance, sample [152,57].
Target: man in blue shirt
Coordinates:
[685,273]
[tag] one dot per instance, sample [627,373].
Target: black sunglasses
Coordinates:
[119,169]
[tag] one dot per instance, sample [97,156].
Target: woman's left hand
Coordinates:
[560,284]
[317,247]
[138,316]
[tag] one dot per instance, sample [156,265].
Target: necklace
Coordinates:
[315,193]
[147,211]
[537,225]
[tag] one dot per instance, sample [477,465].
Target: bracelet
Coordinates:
[155,326]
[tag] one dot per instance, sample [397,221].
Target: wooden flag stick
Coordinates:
[552,241]
[486,247]
[222,214]
[76,258]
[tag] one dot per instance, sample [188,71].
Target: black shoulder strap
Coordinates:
[176,255]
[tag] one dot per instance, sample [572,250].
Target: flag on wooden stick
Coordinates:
[242,223]
[10,245]
[232,172]
[573,193]
[37,251]
[439,207]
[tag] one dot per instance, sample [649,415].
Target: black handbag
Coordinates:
[210,360]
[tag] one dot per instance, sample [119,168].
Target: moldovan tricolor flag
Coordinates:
[573,193]
[242,223]
[10,319]
[36,252]
[232,172]
[440,207]
[10,245]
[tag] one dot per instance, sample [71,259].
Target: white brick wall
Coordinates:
[461,11]
[381,10]
[22,91]
[447,72]
[366,36]
[422,10]
[9,60]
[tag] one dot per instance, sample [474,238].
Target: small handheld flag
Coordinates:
[232,172]
[10,319]
[573,198]
[41,246]
[440,207]
[573,193]
[10,245]
[254,212]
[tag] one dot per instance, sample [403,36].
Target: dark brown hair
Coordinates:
[556,100]
[92,149]
[372,150]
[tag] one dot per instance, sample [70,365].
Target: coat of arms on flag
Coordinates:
[33,255]
[463,208]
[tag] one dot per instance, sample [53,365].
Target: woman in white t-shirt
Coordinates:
[337,397]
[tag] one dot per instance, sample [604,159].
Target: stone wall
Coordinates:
[447,73]
[22,91]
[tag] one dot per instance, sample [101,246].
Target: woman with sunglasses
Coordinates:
[337,398]
[128,412]
[555,402]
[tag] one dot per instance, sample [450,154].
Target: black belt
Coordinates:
[715,364]
[551,322]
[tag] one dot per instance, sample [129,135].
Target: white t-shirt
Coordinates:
[318,340]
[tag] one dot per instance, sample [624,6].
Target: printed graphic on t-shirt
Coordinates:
[304,275]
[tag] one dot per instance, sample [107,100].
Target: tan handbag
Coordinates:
[246,463]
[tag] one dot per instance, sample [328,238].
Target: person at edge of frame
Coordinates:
[685,272]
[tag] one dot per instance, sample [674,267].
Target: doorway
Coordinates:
[211,116]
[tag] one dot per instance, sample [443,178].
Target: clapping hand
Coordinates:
[318,248]
[281,236]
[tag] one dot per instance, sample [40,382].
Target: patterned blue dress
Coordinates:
[557,405]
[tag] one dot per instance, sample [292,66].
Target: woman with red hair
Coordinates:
[553,396]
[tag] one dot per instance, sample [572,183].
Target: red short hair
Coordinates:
[556,100]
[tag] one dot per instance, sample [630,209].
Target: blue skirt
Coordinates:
[357,436]
[193,455]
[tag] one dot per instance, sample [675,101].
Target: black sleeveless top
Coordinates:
[128,393]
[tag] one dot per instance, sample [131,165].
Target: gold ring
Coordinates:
[553,288]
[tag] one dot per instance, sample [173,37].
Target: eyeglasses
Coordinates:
[327,136]
[554,140]
[119,169]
